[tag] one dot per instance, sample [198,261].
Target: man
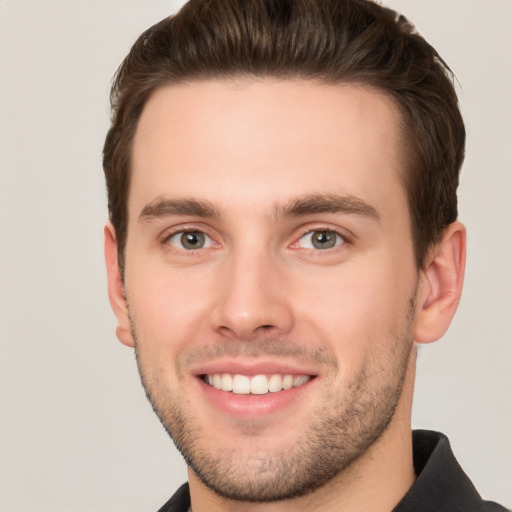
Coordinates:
[282,181]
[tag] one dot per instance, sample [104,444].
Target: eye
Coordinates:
[190,240]
[320,240]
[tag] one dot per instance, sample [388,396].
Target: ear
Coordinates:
[116,288]
[441,285]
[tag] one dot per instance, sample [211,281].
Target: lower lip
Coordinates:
[252,406]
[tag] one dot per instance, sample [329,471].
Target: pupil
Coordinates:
[192,240]
[323,240]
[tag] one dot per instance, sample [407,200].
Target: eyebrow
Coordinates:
[328,203]
[163,207]
[307,205]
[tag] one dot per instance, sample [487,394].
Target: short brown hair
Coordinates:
[331,41]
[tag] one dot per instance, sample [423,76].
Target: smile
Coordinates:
[255,385]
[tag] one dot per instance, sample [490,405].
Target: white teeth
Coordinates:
[298,380]
[256,385]
[288,382]
[275,383]
[241,385]
[226,382]
[259,385]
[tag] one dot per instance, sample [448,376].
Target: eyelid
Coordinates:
[346,236]
[344,233]
[180,234]
[346,239]
[169,233]
[184,227]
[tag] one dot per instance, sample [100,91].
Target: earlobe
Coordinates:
[441,285]
[116,288]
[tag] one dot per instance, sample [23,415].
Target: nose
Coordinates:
[251,297]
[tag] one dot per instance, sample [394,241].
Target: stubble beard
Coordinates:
[341,430]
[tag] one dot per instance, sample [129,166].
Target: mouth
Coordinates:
[263,384]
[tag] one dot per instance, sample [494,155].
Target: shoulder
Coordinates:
[180,501]
[490,506]
[441,484]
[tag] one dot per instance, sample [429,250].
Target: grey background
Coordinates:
[76,433]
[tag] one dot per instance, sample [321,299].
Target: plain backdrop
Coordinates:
[76,432]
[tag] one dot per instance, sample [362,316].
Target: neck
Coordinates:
[375,482]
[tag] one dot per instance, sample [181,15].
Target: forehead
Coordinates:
[248,143]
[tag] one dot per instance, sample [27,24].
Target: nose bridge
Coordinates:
[252,295]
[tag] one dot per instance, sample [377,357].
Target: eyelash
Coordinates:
[323,229]
[182,231]
[310,230]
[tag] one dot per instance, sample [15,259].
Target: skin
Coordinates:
[239,162]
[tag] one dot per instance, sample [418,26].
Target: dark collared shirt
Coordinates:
[440,486]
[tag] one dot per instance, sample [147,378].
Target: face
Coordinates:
[270,278]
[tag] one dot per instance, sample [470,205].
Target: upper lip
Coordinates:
[260,366]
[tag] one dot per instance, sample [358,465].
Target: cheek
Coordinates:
[363,301]
[168,309]
[347,292]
